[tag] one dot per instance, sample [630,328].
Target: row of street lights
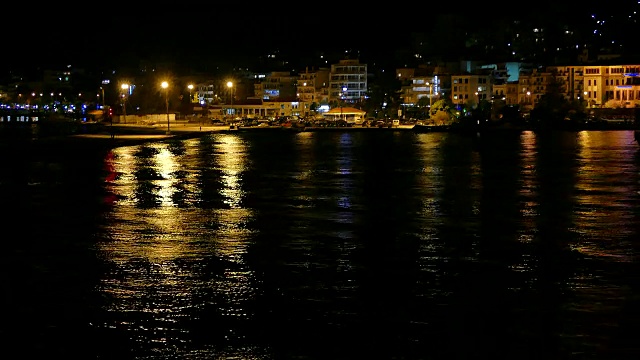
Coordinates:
[165,86]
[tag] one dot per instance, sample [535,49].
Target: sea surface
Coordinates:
[325,245]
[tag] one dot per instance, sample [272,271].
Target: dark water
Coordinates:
[325,245]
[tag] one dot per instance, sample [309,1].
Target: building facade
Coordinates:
[348,82]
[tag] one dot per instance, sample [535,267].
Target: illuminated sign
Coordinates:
[631,74]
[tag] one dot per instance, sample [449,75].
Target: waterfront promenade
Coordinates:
[94,136]
[123,134]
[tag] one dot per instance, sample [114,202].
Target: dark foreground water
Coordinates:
[325,245]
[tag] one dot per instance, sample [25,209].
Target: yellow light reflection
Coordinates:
[528,177]
[161,221]
[602,161]
[157,248]
[232,165]
[231,156]
[166,166]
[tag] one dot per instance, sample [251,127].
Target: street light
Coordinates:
[585,97]
[190,86]
[344,90]
[124,88]
[230,86]
[165,86]
[102,89]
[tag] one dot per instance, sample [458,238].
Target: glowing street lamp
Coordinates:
[124,88]
[342,95]
[165,86]
[230,86]
[190,86]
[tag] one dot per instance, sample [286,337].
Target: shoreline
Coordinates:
[109,136]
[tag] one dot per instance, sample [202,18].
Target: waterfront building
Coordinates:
[313,86]
[470,88]
[617,83]
[507,92]
[275,85]
[348,82]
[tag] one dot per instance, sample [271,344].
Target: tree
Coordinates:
[614,104]
[552,107]
[442,112]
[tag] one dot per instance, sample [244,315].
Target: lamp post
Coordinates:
[230,86]
[344,90]
[165,86]
[124,88]
[190,86]
[585,98]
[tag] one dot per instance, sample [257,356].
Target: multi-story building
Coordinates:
[422,89]
[570,81]
[507,92]
[310,85]
[277,85]
[416,84]
[533,85]
[470,88]
[620,83]
[348,82]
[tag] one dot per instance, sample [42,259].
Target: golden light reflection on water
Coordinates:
[430,182]
[527,181]
[159,249]
[229,155]
[604,180]
[579,166]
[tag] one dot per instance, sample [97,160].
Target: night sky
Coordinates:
[236,34]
